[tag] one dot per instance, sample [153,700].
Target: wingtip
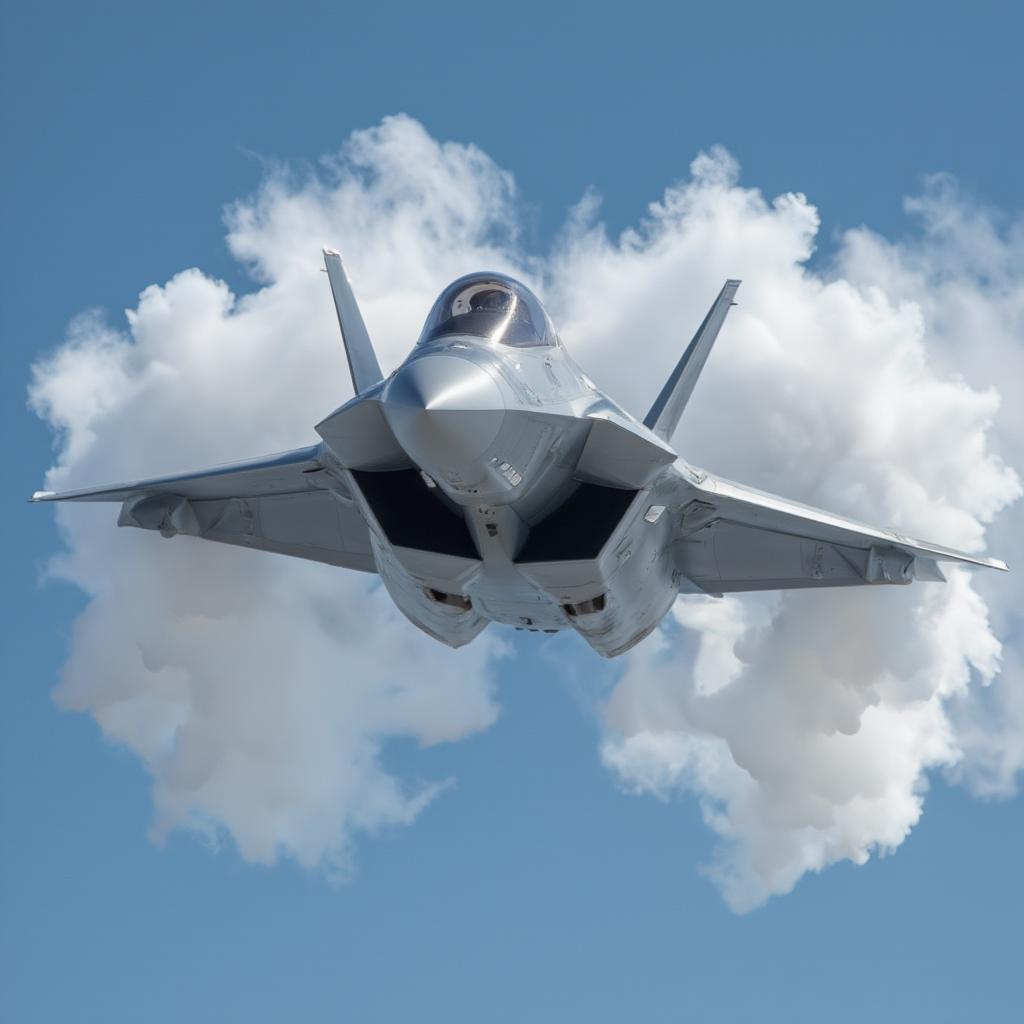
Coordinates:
[328,251]
[43,496]
[987,563]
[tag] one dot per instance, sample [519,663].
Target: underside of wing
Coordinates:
[734,538]
[286,503]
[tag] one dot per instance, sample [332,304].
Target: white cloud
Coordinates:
[965,270]
[259,691]
[829,709]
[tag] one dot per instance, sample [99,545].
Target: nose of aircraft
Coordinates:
[445,412]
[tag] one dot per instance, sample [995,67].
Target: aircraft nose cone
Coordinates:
[445,412]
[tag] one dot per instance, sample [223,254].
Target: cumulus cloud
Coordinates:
[259,691]
[806,724]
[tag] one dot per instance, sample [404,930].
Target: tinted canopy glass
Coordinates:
[490,306]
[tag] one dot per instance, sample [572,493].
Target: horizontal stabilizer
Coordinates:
[663,417]
[362,360]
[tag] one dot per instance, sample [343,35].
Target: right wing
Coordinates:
[285,503]
[734,538]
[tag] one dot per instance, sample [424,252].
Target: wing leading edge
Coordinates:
[285,503]
[734,538]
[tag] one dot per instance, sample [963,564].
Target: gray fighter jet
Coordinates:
[487,479]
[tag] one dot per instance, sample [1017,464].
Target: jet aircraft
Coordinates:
[488,480]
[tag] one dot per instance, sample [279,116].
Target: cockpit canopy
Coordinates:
[494,307]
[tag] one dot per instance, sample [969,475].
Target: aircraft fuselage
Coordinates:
[487,479]
[487,515]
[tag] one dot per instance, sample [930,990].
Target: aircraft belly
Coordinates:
[617,598]
[451,623]
[509,595]
[597,565]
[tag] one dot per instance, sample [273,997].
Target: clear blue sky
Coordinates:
[534,890]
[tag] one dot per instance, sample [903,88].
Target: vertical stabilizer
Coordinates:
[664,415]
[362,361]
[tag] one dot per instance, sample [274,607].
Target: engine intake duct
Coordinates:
[591,607]
[580,527]
[412,515]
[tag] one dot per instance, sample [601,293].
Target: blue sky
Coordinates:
[535,886]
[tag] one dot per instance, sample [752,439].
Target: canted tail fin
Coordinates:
[362,360]
[663,417]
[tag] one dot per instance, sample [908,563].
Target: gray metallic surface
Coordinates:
[663,416]
[271,474]
[445,412]
[362,360]
[487,480]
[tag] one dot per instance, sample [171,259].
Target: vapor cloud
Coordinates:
[259,691]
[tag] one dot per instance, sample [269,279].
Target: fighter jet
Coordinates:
[488,480]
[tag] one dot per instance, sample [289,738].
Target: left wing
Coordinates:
[286,503]
[734,538]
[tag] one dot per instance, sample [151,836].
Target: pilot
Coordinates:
[491,300]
